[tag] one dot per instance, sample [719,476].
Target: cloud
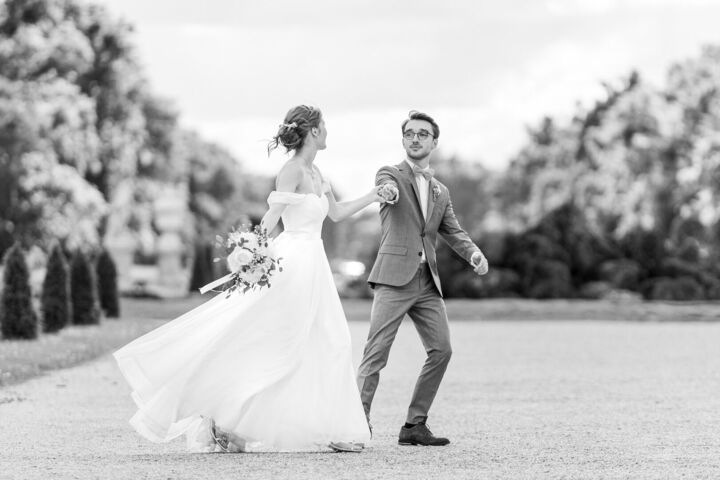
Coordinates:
[484,69]
[594,7]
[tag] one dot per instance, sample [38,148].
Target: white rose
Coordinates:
[250,240]
[267,263]
[238,258]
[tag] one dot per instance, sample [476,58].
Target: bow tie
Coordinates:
[427,173]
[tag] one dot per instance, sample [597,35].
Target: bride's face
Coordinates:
[321,137]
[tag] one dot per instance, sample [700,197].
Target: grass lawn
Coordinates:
[20,360]
[23,359]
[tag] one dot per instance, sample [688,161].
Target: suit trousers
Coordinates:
[420,300]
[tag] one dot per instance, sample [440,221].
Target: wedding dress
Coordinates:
[272,366]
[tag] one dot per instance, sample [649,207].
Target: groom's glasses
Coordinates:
[421,135]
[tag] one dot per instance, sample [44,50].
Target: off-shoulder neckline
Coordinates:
[301,194]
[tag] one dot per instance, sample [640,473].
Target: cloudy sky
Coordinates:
[484,69]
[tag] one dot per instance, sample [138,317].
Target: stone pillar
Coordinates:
[121,246]
[170,213]
[119,241]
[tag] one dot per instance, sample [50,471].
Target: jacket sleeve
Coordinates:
[386,175]
[454,235]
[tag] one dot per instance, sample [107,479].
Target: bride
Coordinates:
[269,370]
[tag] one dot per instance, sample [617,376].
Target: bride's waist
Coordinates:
[301,234]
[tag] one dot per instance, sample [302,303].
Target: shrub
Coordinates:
[595,290]
[645,247]
[528,248]
[677,289]
[704,276]
[84,292]
[464,285]
[498,282]
[623,274]
[55,301]
[450,265]
[107,285]
[712,290]
[18,317]
[548,279]
[494,246]
[689,251]
[676,267]
[568,228]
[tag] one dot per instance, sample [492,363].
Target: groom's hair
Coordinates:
[415,115]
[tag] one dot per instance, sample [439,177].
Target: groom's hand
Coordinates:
[479,263]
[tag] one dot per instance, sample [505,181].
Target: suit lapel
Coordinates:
[431,200]
[410,179]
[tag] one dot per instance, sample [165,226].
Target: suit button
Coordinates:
[422,234]
[419,254]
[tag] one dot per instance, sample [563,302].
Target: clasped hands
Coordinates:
[389,192]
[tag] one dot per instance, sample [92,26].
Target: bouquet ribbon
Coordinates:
[216,283]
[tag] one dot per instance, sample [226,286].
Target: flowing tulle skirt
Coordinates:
[273,366]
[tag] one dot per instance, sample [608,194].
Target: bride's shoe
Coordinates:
[220,440]
[346,447]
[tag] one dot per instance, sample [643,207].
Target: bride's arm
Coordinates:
[338,211]
[287,181]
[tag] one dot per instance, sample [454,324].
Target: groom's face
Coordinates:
[418,148]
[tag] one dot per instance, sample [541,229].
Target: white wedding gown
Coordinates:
[272,366]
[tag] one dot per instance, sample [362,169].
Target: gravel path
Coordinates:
[538,399]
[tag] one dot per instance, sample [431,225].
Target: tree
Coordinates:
[84,291]
[629,189]
[59,204]
[79,122]
[18,317]
[73,95]
[56,306]
[107,285]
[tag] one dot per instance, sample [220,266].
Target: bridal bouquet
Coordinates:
[250,259]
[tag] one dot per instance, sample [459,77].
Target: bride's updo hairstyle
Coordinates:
[292,132]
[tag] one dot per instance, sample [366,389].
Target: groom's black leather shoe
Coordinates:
[420,434]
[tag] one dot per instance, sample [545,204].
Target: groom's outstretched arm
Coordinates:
[458,239]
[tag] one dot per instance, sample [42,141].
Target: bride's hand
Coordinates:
[326,187]
[389,193]
[376,194]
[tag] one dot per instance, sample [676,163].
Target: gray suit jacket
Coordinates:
[405,232]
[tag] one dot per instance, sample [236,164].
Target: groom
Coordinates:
[405,275]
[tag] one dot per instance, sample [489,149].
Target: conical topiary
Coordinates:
[202,272]
[56,305]
[107,285]
[83,291]
[18,317]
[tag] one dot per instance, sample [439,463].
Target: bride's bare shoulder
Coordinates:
[290,174]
